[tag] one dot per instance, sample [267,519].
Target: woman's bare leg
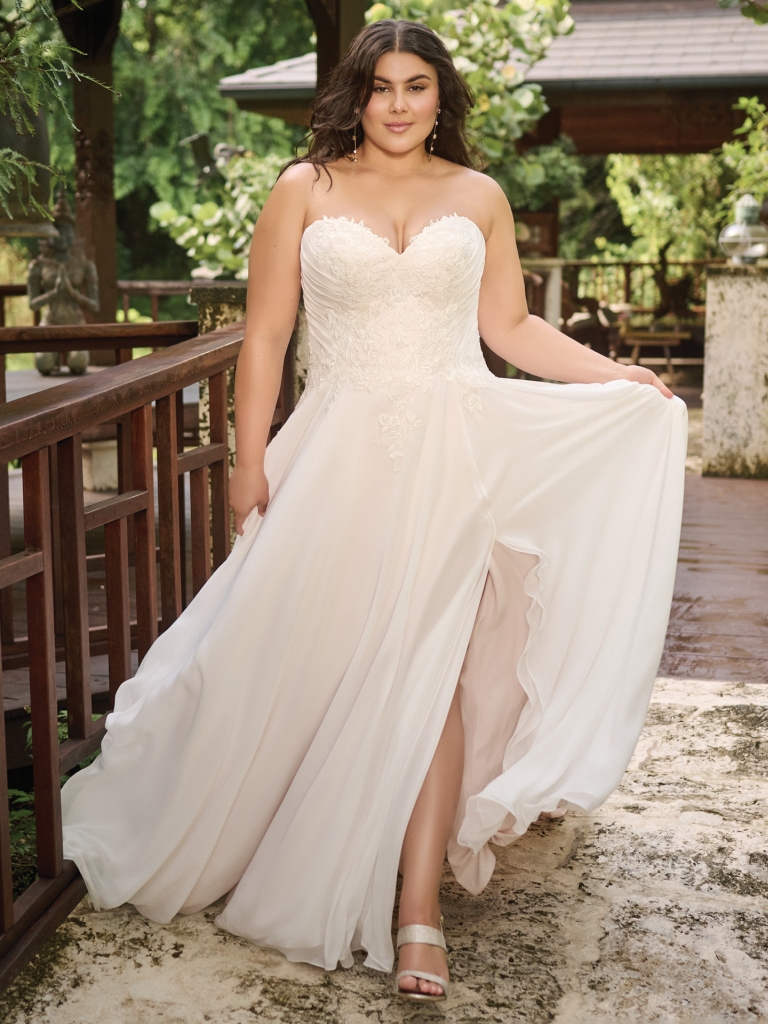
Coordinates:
[424,846]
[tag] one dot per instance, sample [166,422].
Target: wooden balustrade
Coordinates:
[45,432]
[630,282]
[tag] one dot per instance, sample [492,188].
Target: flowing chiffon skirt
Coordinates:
[275,738]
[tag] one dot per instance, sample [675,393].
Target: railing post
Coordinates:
[201,527]
[42,667]
[144,531]
[6,873]
[118,604]
[74,576]
[168,508]
[219,434]
[182,500]
[6,595]
[58,588]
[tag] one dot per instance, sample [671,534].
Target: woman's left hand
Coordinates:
[642,375]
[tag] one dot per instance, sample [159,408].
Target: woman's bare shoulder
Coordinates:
[294,183]
[481,186]
[480,194]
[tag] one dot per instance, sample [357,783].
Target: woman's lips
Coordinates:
[398,126]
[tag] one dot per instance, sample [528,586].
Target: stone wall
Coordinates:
[735,399]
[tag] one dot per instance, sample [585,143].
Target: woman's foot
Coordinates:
[418,956]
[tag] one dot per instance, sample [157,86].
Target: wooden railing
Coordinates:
[154,291]
[45,432]
[62,339]
[632,283]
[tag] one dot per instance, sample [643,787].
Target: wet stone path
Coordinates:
[652,909]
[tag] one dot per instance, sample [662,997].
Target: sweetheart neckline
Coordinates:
[361,224]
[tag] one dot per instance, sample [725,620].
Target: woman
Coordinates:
[447,603]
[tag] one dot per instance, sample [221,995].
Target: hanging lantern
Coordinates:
[746,240]
[24,221]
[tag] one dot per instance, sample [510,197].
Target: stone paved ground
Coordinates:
[653,909]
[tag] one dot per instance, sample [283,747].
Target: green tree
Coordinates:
[669,199]
[32,70]
[168,60]
[747,157]
[217,235]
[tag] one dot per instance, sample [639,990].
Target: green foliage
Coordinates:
[674,199]
[21,807]
[493,47]
[168,60]
[32,71]
[22,817]
[591,214]
[540,175]
[747,157]
[757,10]
[18,177]
[217,235]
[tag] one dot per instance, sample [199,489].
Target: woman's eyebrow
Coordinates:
[413,78]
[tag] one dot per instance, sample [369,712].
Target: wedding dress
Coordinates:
[430,525]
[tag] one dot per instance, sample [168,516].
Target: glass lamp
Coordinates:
[746,240]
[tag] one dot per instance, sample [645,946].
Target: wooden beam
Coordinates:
[92,31]
[337,22]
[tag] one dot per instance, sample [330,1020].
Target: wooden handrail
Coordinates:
[28,423]
[163,288]
[95,336]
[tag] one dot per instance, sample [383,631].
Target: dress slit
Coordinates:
[493,696]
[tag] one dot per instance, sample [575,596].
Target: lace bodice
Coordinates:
[379,320]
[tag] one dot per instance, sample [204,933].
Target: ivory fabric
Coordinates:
[430,525]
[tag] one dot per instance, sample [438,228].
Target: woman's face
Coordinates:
[402,109]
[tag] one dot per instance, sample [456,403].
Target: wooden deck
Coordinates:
[719,623]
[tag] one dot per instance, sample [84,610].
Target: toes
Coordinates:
[429,988]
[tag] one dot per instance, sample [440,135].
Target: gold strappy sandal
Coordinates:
[427,936]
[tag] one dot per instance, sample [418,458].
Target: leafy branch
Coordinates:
[32,74]
[747,157]
[757,10]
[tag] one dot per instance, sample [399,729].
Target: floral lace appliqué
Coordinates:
[395,323]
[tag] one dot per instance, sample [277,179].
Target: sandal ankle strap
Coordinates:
[421,933]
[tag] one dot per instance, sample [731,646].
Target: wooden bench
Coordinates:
[637,339]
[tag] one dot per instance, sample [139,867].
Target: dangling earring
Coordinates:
[354,152]
[434,136]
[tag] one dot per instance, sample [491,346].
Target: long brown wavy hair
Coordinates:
[339,103]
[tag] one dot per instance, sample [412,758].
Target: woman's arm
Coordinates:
[274,284]
[527,341]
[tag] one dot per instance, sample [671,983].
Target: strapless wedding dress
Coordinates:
[430,525]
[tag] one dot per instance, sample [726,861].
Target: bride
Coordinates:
[447,602]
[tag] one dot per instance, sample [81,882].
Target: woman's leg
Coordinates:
[426,839]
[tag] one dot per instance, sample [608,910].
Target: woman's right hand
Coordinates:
[248,489]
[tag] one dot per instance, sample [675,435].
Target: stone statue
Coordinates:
[65,281]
